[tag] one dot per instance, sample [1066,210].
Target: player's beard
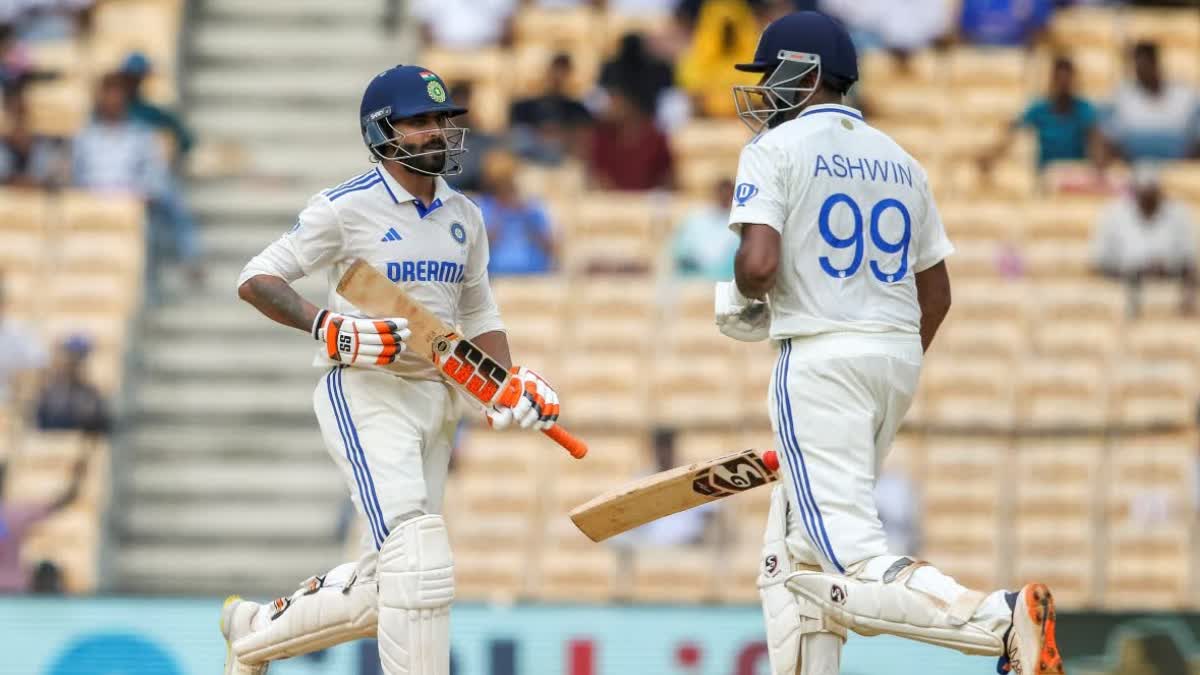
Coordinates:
[432,163]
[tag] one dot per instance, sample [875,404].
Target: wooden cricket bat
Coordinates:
[458,359]
[673,491]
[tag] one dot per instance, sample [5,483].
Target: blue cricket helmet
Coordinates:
[789,49]
[402,92]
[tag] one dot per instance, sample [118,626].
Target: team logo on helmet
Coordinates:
[458,232]
[437,93]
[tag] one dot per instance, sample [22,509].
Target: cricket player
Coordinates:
[389,431]
[841,262]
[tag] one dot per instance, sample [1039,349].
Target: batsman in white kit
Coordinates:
[841,263]
[389,431]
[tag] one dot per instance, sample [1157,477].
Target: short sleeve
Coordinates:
[933,246]
[314,242]
[1029,117]
[1088,116]
[759,197]
[477,310]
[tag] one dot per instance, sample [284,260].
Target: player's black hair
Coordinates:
[1063,62]
[837,85]
[1145,49]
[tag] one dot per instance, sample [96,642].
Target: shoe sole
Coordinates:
[1039,603]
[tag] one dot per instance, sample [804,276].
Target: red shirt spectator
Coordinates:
[627,152]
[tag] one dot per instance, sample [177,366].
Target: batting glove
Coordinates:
[360,341]
[536,409]
[740,317]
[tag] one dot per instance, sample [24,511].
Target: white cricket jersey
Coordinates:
[857,220]
[436,253]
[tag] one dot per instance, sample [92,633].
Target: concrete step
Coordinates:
[267,41]
[294,520]
[291,125]
[251,400]
[362,12]
[204,442]
[242,201]
[197,356]
[245,567]
[176,480]
[218,83]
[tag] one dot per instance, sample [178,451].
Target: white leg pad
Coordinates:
[416,588]
[800,640]
[326,611]
[894,604]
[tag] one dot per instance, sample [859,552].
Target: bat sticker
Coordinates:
[741,473]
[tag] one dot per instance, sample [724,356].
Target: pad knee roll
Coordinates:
[416,588]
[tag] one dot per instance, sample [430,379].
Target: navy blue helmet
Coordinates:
[789,49]
[404,92]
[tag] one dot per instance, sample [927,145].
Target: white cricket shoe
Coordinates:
[236,614]
[1030,646]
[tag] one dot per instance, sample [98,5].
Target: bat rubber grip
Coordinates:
[572,444]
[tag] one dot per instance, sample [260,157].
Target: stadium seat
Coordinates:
[1169,337]
[979,257]
[79,210]
[687,391]
[715,139]
[577,576]
[1155,392]
[990,218]
[737,580]
[530,61]
[961,501]
[1062,393]
[881,70]
[1097,299]
[1182,180]
[925,106]
[488,574]
[24,250]
[57,108]
[1047,258]
[102,252]
[617,456]
[22,209]
[699,446]
[1053,528]
[610,228]
[106,329]
[1166,27]
[481,453]
[481,67]
[673,574]
[606,390]
[1084,26]
[555,28]
[987,300]
[1063,218]
[617,24]
[56,58]
[698,176]
[116,293]
[1056,337]
[1158,299]
[966,338]
[968,394]
[986,67]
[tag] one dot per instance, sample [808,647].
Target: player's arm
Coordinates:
[933,294]
[757,260]
[314,243]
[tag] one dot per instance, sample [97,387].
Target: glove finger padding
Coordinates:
[367,341]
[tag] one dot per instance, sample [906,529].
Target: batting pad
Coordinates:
[416,588]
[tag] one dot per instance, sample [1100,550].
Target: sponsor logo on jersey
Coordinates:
[744,193]
[458,232]
[445,271]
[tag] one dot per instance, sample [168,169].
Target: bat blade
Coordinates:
[672,491]
[459,360]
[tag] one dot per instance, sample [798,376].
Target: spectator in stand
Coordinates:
[1153,118]
[899,27]
[26,159]
[115,154]
[135,69]
[464,24]
[627,151]
[1004,23]
[69,402]
[704,245]
[21,357]
[46,20]
[519,233]
[1147,235]
[16,520]
[637,73]
[726,31]
[552,125]
[1065,123]
[479,143]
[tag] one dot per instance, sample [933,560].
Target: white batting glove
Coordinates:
[536,409]
[360,341]
[740,317]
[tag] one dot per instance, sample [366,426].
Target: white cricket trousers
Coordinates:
[392,438]
[836,402]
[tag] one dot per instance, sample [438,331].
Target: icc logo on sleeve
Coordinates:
[744,193]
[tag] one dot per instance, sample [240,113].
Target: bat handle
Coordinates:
[571,443]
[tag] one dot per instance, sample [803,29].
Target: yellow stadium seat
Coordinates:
[971,67]
[880,69]
[919,140]
[738,570]
[1012,180]
[1182,180]
[489,575]
[111,252]
[698,176]
[617,24]
[483,453]
[991,218]
[1084,25]
[755,374]
[1047,258]
[24,251]
[717,139]
[490,103]
[555,27]
[105,328]
[1167,27]
[699,446]
[978,257]
[610,228]
[58,107]
[23,209]
[1084,299]
[1065,337]
[516,495]
[1151,392]
[988,300]
[577,576]
[1159,299]
[611,389]
[80,210]
[61,58]
[963,338]
[675,574]
[990,106]
[693,390]
[531,60]
[1063,218]
[976,393]
[1058,393]
[961,495]
[117,293]
[1168,337]
[922,105]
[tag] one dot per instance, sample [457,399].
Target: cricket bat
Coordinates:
[459,360]
[672,491]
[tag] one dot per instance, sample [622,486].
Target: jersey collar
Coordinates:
[835,109]
[442,193]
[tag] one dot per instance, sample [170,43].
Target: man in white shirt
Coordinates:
[841,262]
[1147,235]
[390,431]
[1154,118]
[464,24]
[21,353]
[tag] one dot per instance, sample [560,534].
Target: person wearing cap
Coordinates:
[1147,235]
[68,400]
[387,417]
[841,263]
[134,70]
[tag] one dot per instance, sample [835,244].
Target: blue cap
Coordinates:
[135,64]
[406,91]
[810,33]
[77,344]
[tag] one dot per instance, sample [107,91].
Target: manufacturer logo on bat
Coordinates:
[741,473]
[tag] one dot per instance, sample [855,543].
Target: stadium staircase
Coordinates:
[226,485]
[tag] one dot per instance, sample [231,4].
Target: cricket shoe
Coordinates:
[236,615]
[1030,646]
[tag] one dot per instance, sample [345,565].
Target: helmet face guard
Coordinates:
[764,106]
[389,144]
